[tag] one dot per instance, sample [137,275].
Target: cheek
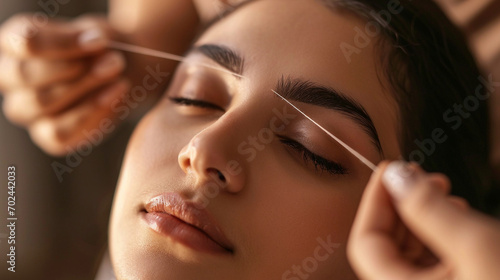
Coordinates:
[296,216]
[149,164]
[150,159]
[155,143]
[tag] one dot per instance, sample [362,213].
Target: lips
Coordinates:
[185,222]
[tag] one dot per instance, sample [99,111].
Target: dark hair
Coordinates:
[427,63]
[430,68]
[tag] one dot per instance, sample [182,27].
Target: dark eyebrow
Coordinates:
[311,93]
[224,56]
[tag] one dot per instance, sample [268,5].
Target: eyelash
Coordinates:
[195,102]
[320,164]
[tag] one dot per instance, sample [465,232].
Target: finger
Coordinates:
[373,250]
[374,230]
[82,127]
[439,181]
[37,73]
[375,210]
[373,227]
[377,257]
[426,209]
[459,202]
[24,106]
[21,37]
[412,248]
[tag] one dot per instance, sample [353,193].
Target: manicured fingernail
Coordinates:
[399,178]
[109,64]
[92,39]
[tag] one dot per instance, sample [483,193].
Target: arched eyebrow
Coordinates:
[314,94]
[300,90]
[223,56]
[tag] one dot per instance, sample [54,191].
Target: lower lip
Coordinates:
[182,232]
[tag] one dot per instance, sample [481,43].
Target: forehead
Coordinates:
[304,32]
[303,38]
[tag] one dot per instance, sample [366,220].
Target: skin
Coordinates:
[49,81]
[465,241]
[52,59]
[277,206]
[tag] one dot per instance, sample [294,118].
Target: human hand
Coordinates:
[58,80]
[412,229]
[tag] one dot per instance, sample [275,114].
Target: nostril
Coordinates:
[221,176]
[216,172]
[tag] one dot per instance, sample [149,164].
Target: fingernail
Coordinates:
[109,64]
[92,39]
[399,178]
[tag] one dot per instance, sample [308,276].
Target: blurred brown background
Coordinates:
[61,231]
[480,21]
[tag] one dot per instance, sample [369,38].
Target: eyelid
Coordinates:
[182,101]
[201,83]
[320,163]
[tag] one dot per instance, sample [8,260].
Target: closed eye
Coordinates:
[319,163]
[196,103]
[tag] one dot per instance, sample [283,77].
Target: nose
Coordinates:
[211,156]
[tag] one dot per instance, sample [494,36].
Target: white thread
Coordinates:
[155,53]
[146,51]
[347,147]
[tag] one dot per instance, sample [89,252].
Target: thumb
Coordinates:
[21,37]
[423,205]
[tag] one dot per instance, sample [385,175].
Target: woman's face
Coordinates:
[257,190]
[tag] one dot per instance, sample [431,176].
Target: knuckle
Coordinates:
[439,182]
[443,180]
[44,133]
[15,23]
[17,34]
[459,202]
[10,71]
[10,115]
[25,100]
[12,112]
[18,18]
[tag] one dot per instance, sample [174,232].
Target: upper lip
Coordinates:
[191,213]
